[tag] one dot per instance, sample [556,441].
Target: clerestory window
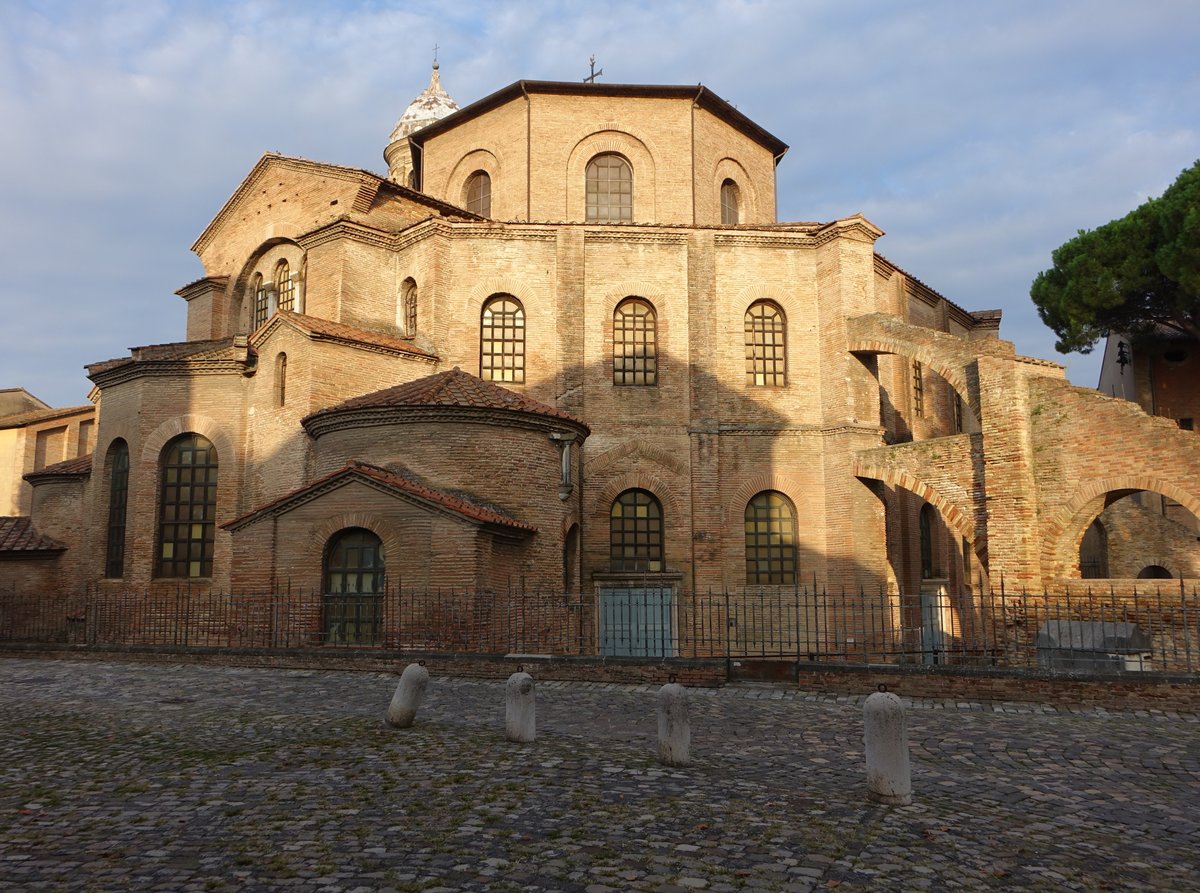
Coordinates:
[609,190]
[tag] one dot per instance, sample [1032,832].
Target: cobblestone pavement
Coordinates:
[147,777]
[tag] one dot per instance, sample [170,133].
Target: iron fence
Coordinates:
[1088,630]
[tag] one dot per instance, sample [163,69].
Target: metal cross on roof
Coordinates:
[435,49]
[591,78]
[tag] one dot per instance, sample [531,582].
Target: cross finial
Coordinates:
[435,49]
[591,78]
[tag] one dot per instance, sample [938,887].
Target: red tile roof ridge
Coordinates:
[17,534]
[20,419]
[79,466]
[315,325]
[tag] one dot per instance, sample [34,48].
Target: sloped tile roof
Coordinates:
[460,506]
[176,350]
[17,535]
[454,388]
[324,328]
[21,419]
[80,466]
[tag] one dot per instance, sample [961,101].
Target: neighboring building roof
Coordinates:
[14,400]
[21,419]
[699,94]
[327,330]
[390,480]
[18,539]
[79,467]
[454,389]
[433,104]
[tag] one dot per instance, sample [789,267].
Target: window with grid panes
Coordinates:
[187,508]
[958,414]
[770,540]
[635,349]
[502,340]
[766,345]
[261,303]
[636,533]
[609,190]
[918,389]
[285,286]
[730,203]
[479,194]
[354,585]
[118,493]
[925,526]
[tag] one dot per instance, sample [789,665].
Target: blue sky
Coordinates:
[979,136]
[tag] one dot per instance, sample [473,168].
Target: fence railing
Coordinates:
[1156,628]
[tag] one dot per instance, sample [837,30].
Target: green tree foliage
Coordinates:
[1132,275]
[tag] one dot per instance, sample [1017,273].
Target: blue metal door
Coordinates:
[637,622]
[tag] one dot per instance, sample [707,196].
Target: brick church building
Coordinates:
[564,342]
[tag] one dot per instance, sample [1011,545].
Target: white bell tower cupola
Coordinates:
[433,104]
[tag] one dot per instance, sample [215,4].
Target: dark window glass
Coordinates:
[187,508]
[770,540]
[636,533]
[281,379]
[479,194]
[410,307]
[766,345]
[285,286]
[502,340]
[354,587]
[118,495]
[926,524]
[635,353]
[918,389]
[730,203]
[261,302]
[609,190]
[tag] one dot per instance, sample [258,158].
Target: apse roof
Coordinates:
[18,535]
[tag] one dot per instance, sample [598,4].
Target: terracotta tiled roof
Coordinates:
[456,504]
[324,328]
[454,388]
[22,419]
[80,466]
[177,350]
[18,535]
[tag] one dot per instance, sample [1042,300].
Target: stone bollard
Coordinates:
[520,712]
[403,709]
[674,727]
[885,734]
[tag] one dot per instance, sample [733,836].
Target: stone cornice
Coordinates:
[623,235]
[203,286]
[378,416]
[349,231]
[857,228]
[135,369]
[760,239]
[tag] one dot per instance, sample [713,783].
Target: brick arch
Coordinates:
[789,486]
[637,450]
[944,363]
[638,480]
[617,139]
[237,290]
[320,534]
[732,169]
[479,159]
[1064,533]
[571,519]
[227,456]
[487,286]
[956,516]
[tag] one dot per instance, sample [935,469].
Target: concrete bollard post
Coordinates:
[520,711]
[674,727]
[885,735]
[403,709]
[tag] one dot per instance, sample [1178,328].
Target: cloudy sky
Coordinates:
[978,135]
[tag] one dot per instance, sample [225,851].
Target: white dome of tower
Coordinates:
[433,104]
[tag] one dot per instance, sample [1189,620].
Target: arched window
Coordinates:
[918,389]
[281,379]
[354,586]
[258,289]
[636,533]
[187,508]
[285,287]
[766,345]
[609,190]
[925,522]
[635,351]
[570,558]
[478,194]
[1093,552]
[502,340]
[730,203]
[1154,572]
[408,298]
[770,540]
[118,495]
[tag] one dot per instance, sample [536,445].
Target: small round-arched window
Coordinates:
[477,194]
[354,583]
[636,533]
[731,203]
[770,540]
[609,190]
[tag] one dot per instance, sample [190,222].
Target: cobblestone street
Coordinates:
[150,777]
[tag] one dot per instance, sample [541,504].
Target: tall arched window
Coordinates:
[635,349]
[118,495]
[609,190]
[502,340]
[285,287]
[187,508]
[354,586]
[770,540]
[925,523]
[636,533]
[281,379]
[478,194]
[730,203]
[766,345]
[408,298]
[1093,552]
[258,288]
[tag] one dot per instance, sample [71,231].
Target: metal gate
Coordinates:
[637,622]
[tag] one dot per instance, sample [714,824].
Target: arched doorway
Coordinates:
[354,581]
